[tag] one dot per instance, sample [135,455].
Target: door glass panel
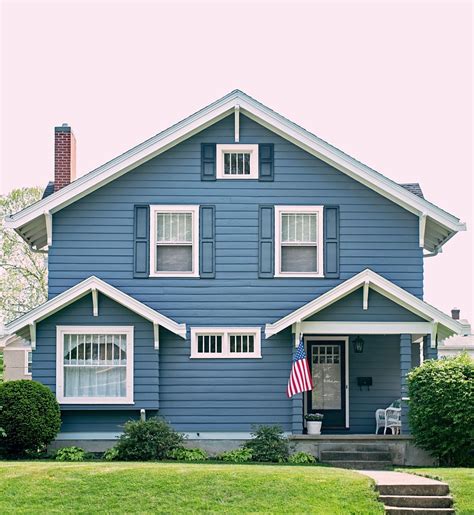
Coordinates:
[326,377]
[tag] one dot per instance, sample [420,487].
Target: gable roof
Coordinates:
[22,324]
[414,188]
[32,222]
[374,281]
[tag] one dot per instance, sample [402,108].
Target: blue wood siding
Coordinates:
[380,309]
[95,236]
[146,358]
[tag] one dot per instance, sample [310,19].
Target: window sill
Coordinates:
[297,275]
[172,274]
[226,357]
[95,400]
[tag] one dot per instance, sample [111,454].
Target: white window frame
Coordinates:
[61,331]
[194,210]
[279,211]
[226,332]
[27,371]
[237,147]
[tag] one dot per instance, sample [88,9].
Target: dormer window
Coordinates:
[237,161]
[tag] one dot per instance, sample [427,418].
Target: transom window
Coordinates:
[237,161]
[225,342]
[95,365]
[299,233]
[174,236]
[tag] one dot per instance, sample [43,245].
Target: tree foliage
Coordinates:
[442,408]
[23,273]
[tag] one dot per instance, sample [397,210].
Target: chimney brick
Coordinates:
[455,313]
[64,156]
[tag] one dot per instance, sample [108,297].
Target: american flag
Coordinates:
[300,375]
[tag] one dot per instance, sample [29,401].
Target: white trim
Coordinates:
[88,435]
[27,352]
[366,327]
[221,149]
[434,333]
[208,116]
[422,229]
[80,290]
[32,334]
[95,302]
[226,332]
[378,284]
[236,123]
[182,208]
[319,210]
[61,330]
[156,336]
[345,339]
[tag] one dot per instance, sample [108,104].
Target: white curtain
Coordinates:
[94,381]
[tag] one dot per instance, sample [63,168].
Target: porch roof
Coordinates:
[436,322]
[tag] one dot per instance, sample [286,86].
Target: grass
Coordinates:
[460,481]
[99,487]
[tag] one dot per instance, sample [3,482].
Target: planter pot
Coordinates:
[314,427]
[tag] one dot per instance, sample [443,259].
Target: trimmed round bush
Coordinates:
[30,416]
[442,409]
[147,440]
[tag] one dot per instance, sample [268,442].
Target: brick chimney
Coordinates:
[455,313]
[64,156]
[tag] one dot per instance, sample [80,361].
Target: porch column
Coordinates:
[297,411]
[405,365]
[428,352]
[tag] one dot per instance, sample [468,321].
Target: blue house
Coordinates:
[184,272]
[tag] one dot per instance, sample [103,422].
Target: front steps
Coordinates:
[404,494]
[357,457]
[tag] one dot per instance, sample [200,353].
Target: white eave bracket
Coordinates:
[365,301]
[156,336]
[422,229]
[434,334]
[237,123]
[95,302]
[33,336]
[49,228]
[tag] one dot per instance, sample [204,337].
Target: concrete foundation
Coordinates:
[401,447]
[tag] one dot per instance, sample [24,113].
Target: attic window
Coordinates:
[237,161]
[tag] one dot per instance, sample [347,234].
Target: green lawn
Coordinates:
[98,487]
[461,484]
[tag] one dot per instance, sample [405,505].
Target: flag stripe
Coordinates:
[300,376]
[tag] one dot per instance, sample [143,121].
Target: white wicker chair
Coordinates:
[379,420]
[393,420]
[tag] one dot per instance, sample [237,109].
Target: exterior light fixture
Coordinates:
[358,343]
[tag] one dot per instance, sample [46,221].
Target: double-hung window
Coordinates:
[237,161]
[174,241]
[28,362]
[225,342]
[299,241]
[94,365]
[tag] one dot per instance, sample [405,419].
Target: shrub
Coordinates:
[145,440]
[30,416]
[268,444]
[442,408]
[301,458]
[314,417]
[111,454]
[182,454]
[70,454]
[237,455]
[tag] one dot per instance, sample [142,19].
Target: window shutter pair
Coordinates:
[265,165]
[207,241]
[266,242]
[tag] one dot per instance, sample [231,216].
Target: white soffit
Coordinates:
[31,222]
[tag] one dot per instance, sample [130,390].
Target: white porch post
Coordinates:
[405,365]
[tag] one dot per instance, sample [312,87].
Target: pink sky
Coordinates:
[388,82]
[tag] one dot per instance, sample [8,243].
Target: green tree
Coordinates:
[23,273]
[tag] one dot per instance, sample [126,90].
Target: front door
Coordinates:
[327,359]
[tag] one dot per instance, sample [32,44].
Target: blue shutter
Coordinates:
[265,162]
[207,243]
[331,242]
[266,242]
[208,161]
[141,241]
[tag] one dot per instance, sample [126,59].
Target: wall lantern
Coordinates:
[358,343]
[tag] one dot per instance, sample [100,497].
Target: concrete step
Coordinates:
[428,489]
[354,447]
[355,456]
[399,510]
[360,464]
[417,501]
